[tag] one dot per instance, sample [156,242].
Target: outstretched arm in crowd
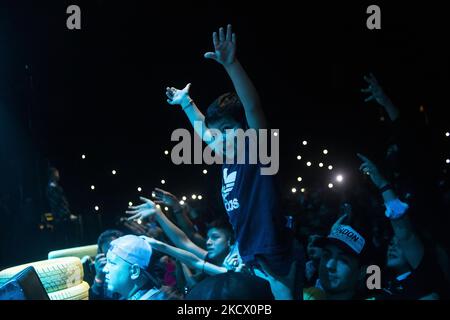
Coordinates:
[225,54]
[190,259]
[396,211]
[195,116]
[163,197]
[178,237]
[377,93]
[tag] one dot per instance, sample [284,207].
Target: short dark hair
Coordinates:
[108,236]
[229,105]
[223,225]
[231,286]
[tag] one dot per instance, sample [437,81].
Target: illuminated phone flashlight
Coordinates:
[294,190]
[339,178]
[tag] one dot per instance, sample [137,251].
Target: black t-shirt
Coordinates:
[252,203]
[58,203]
[425,280]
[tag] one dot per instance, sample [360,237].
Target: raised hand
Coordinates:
[369,168]
[145,210]
[100,262]
[176,96]
[282,286]
[224,47]
[163,197]
[375,90]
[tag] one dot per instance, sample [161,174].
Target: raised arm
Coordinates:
[377,93]
[225,54]
[195,116]
[190,259]
[163,197]
[396,211]
[178,237]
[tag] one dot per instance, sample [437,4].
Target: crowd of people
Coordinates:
[313,248]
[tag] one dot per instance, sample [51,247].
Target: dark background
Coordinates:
[99,91]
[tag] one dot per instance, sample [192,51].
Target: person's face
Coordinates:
[395,258]
[217,243]
[227,127]
[117,275]
[55,175]
[338,271]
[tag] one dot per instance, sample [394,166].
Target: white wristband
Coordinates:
[395,209]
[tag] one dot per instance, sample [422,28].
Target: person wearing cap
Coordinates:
[128,270]
[342,268]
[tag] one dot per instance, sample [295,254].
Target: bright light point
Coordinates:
[294,190]
[305,143]
[181,202]
[166,152]
[447,161]
[275,134]
[194,196]
[308,164]
[299,179]
[184,198]
[130,204]
[163,181]
[139,221]
[339,178]
[92,187]
[299,157]
[114,172]
[166,208]
[158,206]
[325,151]
[447,134]
[330,167]
[199,197]
[205,171]
[96,208]
[139,189]
[153,194]
[321,164]
[302,189]
[83,156]
[330,185]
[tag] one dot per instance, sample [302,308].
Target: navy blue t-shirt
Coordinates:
[253,206]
